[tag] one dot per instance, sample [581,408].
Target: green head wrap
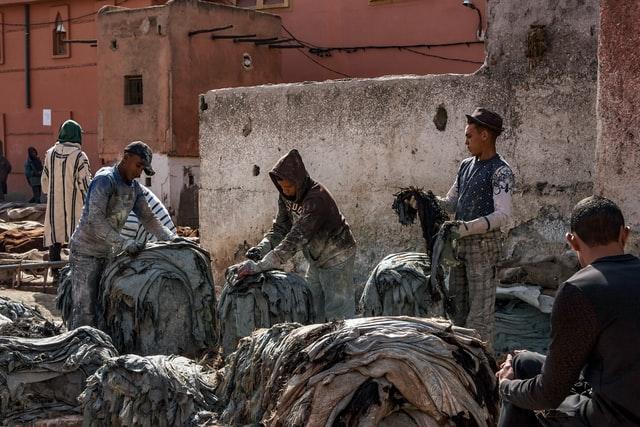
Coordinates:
[70,131]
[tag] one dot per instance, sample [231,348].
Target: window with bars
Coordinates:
[59,37]
[133,90]
[262,4]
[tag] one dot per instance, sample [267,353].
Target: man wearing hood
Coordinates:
[5,170]
[33,173]
[309,220]
[113,194]
[65,179]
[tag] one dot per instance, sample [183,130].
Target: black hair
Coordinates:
[493,133]
[597,221]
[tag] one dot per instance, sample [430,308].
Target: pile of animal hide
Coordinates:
[400,285]
[20,211]
[370,371]
[548,271]
[42,378]
[64,304]
[427,209]
[20,320]
[21,236]
[522,320]
[261,301]
[149,391]
[161,301]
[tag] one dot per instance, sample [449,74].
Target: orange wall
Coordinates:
[67,86]
[392,22]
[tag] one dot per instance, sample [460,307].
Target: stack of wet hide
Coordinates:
[42,378]
[427,209]
[149,391]
[522,319]
[159,302]
[20,320]
[261,301]
[370,371]
[400,285]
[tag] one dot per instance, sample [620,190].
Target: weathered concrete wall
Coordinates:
[618,149]
[366,138]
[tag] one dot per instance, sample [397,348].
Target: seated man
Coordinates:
[595,330]
[112,195]
[309,220]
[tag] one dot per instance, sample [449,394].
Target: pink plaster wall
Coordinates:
[618,147]
[200,64]
[395,22]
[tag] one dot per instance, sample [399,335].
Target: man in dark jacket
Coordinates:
[5,170]
[33,173]
[595,330]
[309,220]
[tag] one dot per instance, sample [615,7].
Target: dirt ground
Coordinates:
[44,301]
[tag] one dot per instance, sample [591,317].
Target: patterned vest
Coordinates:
[476,187]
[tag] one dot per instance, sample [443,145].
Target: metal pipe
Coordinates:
[252,40]
[29,265]
[81,41]
[233,36]
[209,30]
[27,56]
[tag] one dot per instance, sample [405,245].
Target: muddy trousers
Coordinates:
[472,285]
[333,291]
[86,272]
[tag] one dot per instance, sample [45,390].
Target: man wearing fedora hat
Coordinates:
[480,198]
[112,195]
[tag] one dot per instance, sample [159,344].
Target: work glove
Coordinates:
[132,247]
[254,254]
[248,268]
[457,229]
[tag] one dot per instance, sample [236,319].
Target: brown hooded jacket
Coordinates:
[310,222]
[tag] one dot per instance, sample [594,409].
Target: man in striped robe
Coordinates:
[65,179]
[133,229]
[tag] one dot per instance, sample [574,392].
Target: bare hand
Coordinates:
[506,370]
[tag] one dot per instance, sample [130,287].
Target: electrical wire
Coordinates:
[308,45]
[314,49]
[69,20]
[443,57]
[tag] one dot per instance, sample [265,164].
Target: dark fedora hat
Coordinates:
[489,119]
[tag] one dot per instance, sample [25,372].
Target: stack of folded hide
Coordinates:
[154,391]
[400,285]
[261,301]
[161,301]
[522,319]
[42,378]
[21,236]
[19,320]
[371,371]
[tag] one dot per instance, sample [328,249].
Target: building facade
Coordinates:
[44,80]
